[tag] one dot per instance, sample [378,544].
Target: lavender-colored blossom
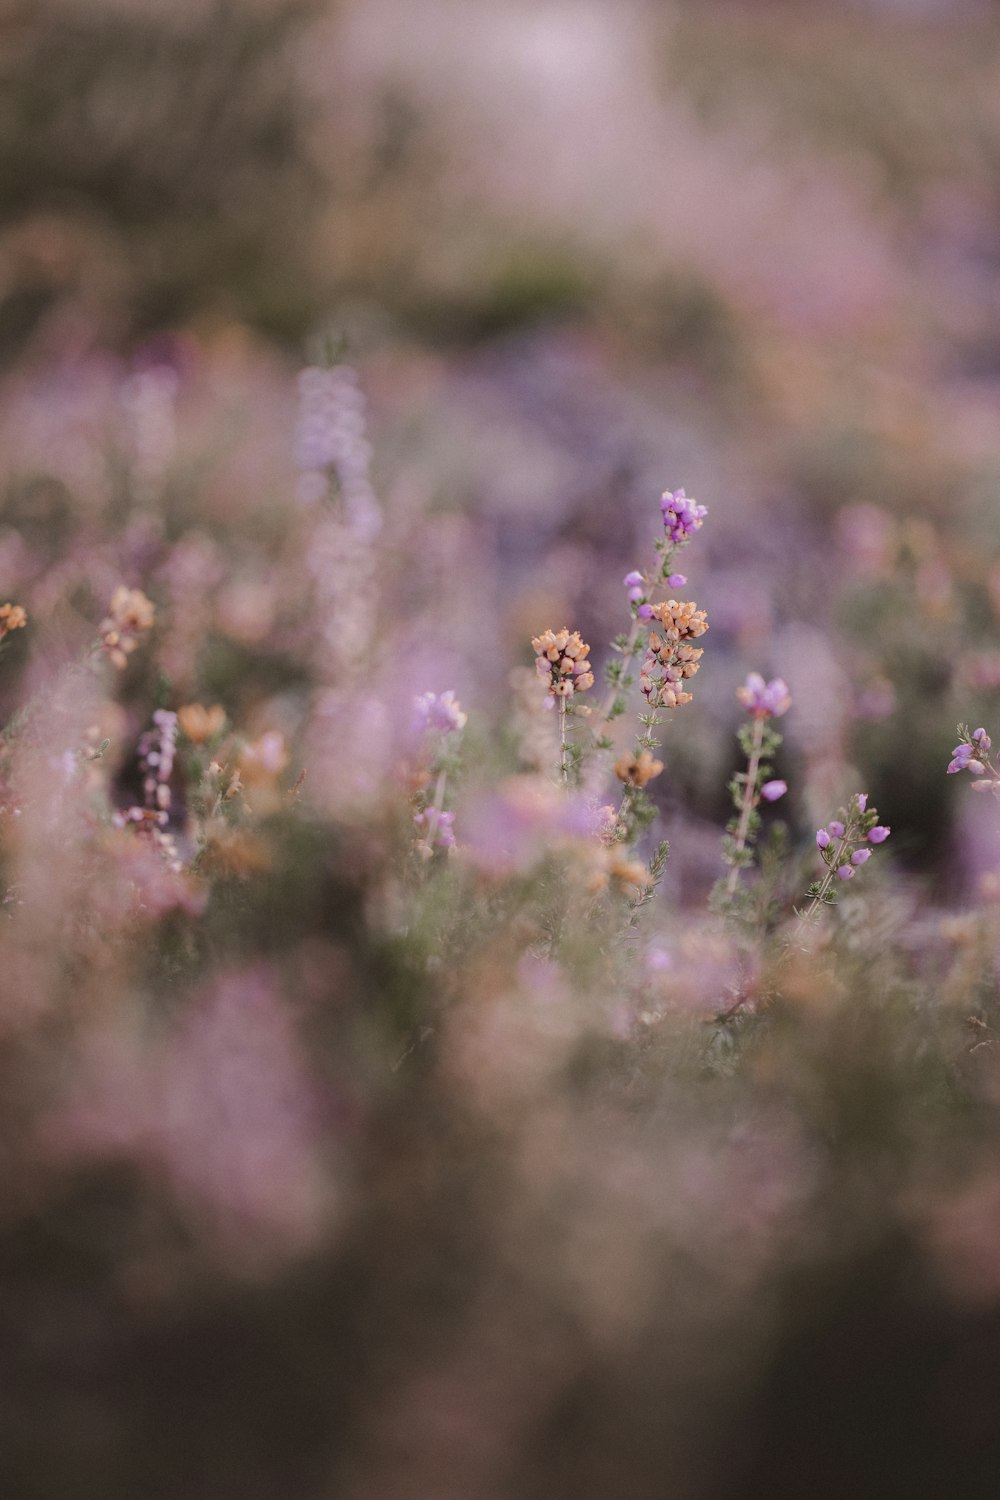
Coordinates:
[765,700]
[861,856]
[836,829]
[878,835]
[822,839]
[632,580]
[677,580]
[636,593]
[772,790]
[439,711]
[862,801]
[982,739]
[645,611]
[846,872]
[681,516]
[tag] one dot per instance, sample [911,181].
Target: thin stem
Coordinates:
[436,808]
[563,768]
[610,697]
[749,802]
[835,861]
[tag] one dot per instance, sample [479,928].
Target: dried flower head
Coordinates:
[638,770]
[129,615]
[562,662]
[12,617]
[199,723]
[681,621]
[670,659]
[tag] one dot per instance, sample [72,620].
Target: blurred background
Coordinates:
[577,251]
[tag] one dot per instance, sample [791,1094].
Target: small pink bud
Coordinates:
[645,611]
[822,839]
[860,856]
[846,872]
[878,835]
[836,829]
[862,801]
[677,580]
[772,790]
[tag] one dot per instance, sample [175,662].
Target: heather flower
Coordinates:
[681,517]
[681,621]
[632,580]
[263,761]
[129,615]
[764,700]
[772,790]
[440,711]
[12,617]
[199,724]
[638,770]
[562,662]
[437,826]
[843,845]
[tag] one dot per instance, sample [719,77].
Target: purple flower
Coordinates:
[822,839]
[772,790]
[862,801]
[982,739]
[846,872]
[681,516]
[677,580]
[878,835]
[632,580]
[860,856]
[645,611]
[636,593]
[439,711]
[765,700]
[836,829]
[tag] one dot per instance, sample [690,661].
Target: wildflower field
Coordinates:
[499,827]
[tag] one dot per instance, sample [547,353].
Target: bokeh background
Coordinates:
[577,252]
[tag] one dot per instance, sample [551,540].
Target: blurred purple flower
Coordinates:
[772,790]
[878,835]
[439,711]
[765,700]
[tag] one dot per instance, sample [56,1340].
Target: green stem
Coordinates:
[749,801]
